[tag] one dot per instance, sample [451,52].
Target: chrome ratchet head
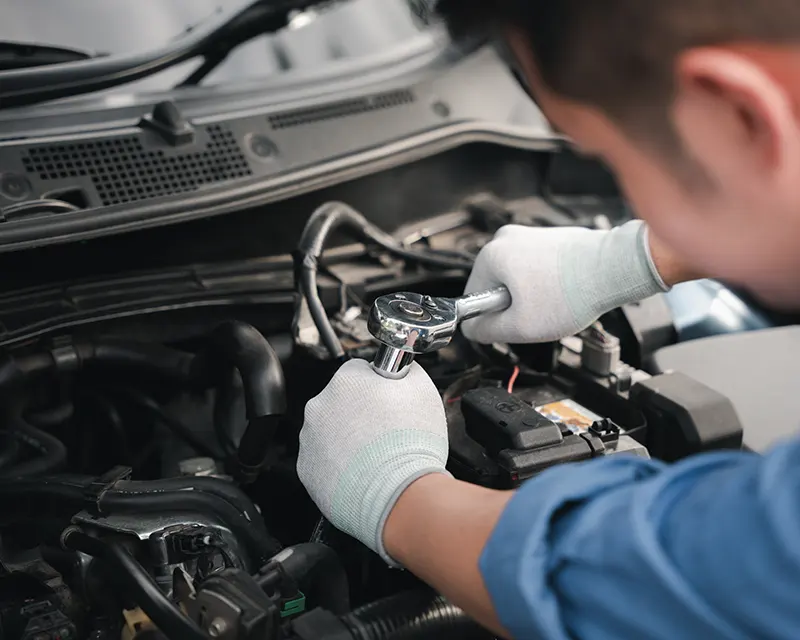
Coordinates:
[410,324]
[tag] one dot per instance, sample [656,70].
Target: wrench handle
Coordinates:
[483,302]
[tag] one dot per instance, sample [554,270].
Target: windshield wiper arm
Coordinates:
[20,55]
[23,87]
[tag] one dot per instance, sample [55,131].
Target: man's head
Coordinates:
[695,104]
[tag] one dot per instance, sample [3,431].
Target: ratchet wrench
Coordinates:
[411,324]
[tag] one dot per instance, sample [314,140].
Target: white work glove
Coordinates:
[364,441]
[561,280]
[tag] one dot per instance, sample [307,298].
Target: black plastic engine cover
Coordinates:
[686,417]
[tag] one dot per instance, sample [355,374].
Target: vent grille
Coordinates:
[124,171]
[342,109]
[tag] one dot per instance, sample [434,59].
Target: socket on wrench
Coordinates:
[411,324]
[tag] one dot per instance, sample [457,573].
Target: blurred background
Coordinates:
[340,32]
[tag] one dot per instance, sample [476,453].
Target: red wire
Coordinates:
[513,379]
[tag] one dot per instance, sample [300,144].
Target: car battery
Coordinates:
[528,432]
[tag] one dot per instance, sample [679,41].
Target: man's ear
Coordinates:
[734,117]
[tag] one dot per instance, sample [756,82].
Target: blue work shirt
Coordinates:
[627,548]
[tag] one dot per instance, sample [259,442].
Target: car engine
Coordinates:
[147,458]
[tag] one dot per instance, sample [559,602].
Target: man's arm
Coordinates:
[671,267]
[360,458]
[459,519]
[616,548]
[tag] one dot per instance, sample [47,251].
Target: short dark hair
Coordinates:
[619,55]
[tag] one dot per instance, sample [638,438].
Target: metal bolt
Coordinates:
[429,302]
[411,309]
[441,109]
[262,147]
[217,627]
[198,467]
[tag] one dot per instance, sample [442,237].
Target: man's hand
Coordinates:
[364,441]
[371,452]
[561,280]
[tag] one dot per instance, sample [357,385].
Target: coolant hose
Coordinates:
[15,370]
[66,495]
[138,584]
[328,218]
[51,454]
[242,347]
[224,413]
[417,615]
[168,365]
[10,449]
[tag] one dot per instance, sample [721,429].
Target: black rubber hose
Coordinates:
[51,417]
[243,347]
[108,411]
[51,454]
[14,370]
[178,428]
[220,499]
[33,364]
[417,615]
[317,571]
[224,414]
[10,450]
[169,365]
[138,584]
[221,489]
[326,219]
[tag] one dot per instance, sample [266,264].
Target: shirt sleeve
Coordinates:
[630,548]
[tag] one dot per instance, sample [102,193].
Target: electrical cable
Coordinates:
[513,379]
[317,571]
[213,39]
[33,207]
[634,431]
[467,381]
[137,582]
[336,215]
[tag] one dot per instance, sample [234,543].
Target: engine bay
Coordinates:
[147,464]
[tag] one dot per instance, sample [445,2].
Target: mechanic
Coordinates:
[695,104]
